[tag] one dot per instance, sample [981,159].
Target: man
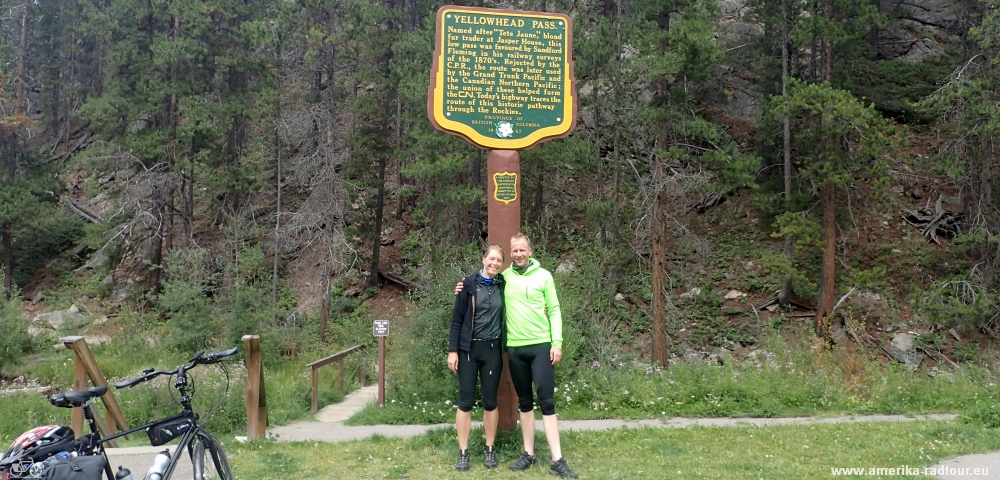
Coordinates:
[534,346]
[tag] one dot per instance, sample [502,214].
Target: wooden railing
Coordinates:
[84,367]
[339,356]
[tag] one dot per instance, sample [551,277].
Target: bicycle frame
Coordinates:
[94,442]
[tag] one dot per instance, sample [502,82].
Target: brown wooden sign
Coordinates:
[502,79]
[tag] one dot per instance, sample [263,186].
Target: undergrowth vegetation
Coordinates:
[725,366]
[15,339]
[776,379]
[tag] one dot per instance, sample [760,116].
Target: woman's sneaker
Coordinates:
[559,467]
[524,462]
[463,462]
[491,460]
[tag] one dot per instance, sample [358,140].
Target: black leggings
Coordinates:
[483,361]
[533,363]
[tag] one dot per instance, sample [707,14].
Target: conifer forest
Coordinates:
[270,166]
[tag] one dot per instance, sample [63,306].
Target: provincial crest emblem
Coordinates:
[504,129]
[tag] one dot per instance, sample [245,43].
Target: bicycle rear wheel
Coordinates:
[208,447]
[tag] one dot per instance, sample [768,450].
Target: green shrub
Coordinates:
[45,237]
[191,323]
[955,302]
[15,339]
[418,370]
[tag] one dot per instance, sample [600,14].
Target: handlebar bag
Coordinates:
[88,467]
[164,432]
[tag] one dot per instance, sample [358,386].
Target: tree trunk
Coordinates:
[10,157]
[785,294]
[156,258]
[6,236]
[985,207]
[172,149]
[379,210]
[277,214]
[102,53]
[660,292]
[324,315]
[659,304]
[383,154]
[829,268]
[21,57]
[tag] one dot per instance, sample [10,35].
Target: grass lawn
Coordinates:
[793,452]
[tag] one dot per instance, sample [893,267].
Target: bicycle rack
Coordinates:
[84,366]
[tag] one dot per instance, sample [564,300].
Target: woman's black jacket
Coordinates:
[460,336]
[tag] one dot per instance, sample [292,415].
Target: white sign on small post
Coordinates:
[380,328]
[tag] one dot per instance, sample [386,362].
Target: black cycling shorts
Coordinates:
[484,361]
[532,363]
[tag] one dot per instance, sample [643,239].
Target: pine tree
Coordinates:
[969,103]
[838,137]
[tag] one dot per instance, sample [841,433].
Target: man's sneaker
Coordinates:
[524,462]
[463,462]
[560,468]
[491,460]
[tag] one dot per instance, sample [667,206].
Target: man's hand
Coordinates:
[555,354]
[458,288]
[453,362]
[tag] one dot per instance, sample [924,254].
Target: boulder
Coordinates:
[902,350]
[97,260]
[694,292]
[69,318]
[869,303]
[565,267]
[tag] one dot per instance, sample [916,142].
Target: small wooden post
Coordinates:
[79,384]
[315,393]
[254,392]
[84,367]
[341,376]
[381,372]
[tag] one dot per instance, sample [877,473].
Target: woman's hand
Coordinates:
[453,362]
[458,288]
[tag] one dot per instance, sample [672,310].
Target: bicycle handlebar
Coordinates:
[198,359]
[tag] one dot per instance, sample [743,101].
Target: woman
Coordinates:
[475,347]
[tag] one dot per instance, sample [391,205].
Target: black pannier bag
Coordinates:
[164,432]
[89,467]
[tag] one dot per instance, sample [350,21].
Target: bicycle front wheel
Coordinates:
[208,447]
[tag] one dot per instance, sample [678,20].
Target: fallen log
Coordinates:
[83,212]
[400,280]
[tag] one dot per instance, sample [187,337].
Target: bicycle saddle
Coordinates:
[77,399]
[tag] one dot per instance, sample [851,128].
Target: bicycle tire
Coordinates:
[204,443]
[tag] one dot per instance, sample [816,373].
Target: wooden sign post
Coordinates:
[253,390]
[503,81]
[380,328]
